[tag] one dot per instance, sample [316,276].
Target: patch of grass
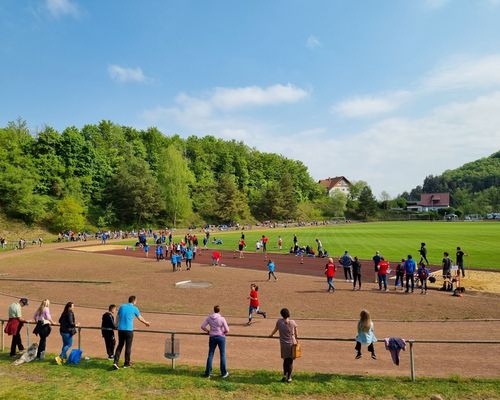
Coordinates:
[95,379]
[394,239]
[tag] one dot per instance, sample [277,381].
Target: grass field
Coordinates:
[480,240]
[94,379]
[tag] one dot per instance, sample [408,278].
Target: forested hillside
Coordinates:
[106,175]
[474,187]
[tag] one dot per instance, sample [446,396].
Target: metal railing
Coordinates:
[172,335]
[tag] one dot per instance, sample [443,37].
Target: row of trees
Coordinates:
[107,175]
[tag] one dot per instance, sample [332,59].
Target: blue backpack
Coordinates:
[74,357]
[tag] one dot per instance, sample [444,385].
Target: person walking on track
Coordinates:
[330,273]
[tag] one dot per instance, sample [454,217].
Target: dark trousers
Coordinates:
[124,338]
[399,279]
[43,334]
[382,280]
[271,274]
[188,264]
[371,349]
[110,342]
[461,268]
[287,367]
[356,277]
[423,257]
[424,284]
[410,277]
[347,273]
[17,343]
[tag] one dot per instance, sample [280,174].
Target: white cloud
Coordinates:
[198,112]
[313,42]
[369,106]
[251,96]
[465,73]
[124,74]
[61,8]
[461,73]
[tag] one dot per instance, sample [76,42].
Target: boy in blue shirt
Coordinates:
[189,257]
[410,267]
[159,252]
[270,268]
[173,260]
[179,261]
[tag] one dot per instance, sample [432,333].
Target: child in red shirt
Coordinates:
[254,303]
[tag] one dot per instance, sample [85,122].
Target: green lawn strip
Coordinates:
[95,379]
[394,239]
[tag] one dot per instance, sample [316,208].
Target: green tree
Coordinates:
[333,205]
[367,204]
[174,178]
[68,214]
[134,194]
[231,203]
[288,197]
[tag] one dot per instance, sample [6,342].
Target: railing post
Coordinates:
[79,338]
[172,350]
[27,335]
[412,362]
[3,336]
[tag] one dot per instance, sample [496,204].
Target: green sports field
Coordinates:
[480,240]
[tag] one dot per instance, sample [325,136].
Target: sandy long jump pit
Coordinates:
[434,316]
[98,248]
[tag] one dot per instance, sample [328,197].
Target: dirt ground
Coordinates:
[436,315]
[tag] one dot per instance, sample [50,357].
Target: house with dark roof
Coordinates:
[340,183]
[431,202]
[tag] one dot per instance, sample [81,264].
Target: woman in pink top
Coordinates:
[43,320]
[217,331]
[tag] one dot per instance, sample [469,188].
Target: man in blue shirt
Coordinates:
[410,267]
[125,326]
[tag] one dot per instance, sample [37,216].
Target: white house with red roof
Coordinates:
[340,183]
[431,202]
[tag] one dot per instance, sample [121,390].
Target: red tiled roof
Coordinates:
[330,183]
[434,200]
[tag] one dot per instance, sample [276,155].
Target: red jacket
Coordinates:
[383,266]
[330,270]
[13,327]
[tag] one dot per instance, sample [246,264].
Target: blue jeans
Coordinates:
[213,342]
[330,284]
[67,339]
[382,279]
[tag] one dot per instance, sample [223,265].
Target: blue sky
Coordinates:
[384,91]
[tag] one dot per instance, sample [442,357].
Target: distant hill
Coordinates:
[474,187]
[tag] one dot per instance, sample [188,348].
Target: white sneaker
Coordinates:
[225,375]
